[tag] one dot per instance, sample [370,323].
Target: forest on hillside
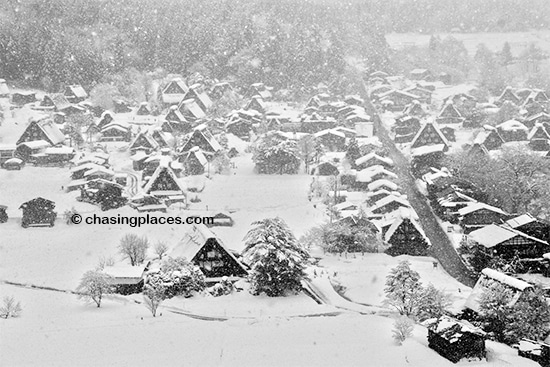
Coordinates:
[287,43]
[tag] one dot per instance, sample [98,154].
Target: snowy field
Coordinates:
[57,329]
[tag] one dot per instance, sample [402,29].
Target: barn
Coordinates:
[42,129]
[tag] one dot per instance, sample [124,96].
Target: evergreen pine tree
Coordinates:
[529,318]
[506,54]
[353,153]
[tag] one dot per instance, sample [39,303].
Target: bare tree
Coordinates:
[161,248]
[134,248]
[10,308]
[93,286]
[105,261]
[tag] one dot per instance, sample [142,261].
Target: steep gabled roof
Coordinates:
[372,156]
[166,174]
[538,132]
[434,134]
[195,239]
[375,185]
[479,206]
[449,110]
[76,91]
[404,214]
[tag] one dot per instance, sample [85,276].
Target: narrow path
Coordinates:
[442,248]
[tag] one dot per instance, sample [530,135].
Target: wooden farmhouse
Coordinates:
[373,173]
[197,93]
[7,151]
[396,100]
[389,204]
[372,159]
[532,120]
[240,127]
[126,279]
[55,101]
[75,93]
[203,248]
[489,138]
[22,98]
[405,235]
[499,240]
[508,95]
[42,129]
[115,131]
[143,109]
[539,138]
[202,138]
[414,109]
[424,94]
[259,89]
[164,184]
[490,278]
[430,134]
[332,140]
[194,161]
[406,128]
[477,215]
[174,92]
[382,184]
[191,110]
[256,103]
[534,227]
[143,141]
[513,130]
[27,149]
[449,115]
[38,212]
[456,340]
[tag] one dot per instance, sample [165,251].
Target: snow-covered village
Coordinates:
[289,183]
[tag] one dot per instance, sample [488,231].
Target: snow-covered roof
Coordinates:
[59,150]
[520,220]
[375,185]
[373,156]
[494,234]
[538,129]
[506,279]
[367,174]
[403,214]
[427,149]
[451,329]
[99,169]
[479,206]
[512,125]
[36,144]
[85,166]
[388,200]
[331,132]
[148,187]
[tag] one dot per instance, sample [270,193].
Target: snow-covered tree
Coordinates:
[529,318]
[403,289]
[134,248]
[93,286]
[276,258]
[402,329]
[181,278]
[432,303]
[494,306]
[10,308]
[154,292]
[273,156]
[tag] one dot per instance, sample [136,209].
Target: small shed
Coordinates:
[455,340]
[126,279]
[38,212]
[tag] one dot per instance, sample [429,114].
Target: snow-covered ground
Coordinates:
[57,329]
